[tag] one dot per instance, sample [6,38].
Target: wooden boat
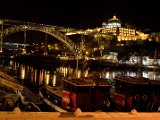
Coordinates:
[88,94]
[137,93]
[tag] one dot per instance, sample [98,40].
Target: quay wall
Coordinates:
[16,114]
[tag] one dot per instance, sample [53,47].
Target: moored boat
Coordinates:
[88,94]
[136,93]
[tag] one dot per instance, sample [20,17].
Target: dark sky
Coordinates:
[84,13]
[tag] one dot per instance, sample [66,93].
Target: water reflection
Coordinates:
[22,72]
[31,75]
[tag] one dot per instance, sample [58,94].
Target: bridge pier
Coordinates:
[46,44]
[24,42]
[1,41]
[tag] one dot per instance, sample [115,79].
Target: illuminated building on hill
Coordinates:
[114,27]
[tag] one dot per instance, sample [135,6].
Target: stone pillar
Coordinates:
[1,41]
[46,44]
[24,42]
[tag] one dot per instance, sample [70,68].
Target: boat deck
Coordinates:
[136,80]
[57,90]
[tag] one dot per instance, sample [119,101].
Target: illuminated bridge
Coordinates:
[58,32]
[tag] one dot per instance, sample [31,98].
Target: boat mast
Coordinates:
[155,61]
[79,53]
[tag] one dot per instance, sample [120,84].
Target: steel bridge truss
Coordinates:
[42,28]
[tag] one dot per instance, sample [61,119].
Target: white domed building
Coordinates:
[114,27]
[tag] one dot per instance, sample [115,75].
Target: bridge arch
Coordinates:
[49,30]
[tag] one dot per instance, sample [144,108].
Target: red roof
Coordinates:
[87,81]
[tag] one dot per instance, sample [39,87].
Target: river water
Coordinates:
[33,75]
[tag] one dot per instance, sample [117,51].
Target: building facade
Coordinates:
[114,27]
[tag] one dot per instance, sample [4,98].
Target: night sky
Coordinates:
[144,14]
